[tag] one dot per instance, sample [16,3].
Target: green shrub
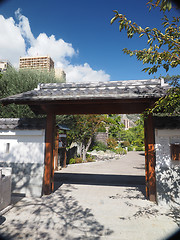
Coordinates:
[72,161]
[99,146]
[125,144]
[120,150]
[125,152]
[90,158]
[130,148]
[137,148]
[75,160]
[101,129]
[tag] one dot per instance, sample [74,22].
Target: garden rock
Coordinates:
[105,156]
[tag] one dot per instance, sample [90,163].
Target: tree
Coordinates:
[83,128]
[115,126]
[170,104]
[14,82]
[135,135]
[158,41]
[163,51]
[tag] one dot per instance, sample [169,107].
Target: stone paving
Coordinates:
[90,204]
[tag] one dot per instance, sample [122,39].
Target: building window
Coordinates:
[175,152]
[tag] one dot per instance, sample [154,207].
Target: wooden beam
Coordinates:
[150,160]
[92,106]
[96,108]
[49,145]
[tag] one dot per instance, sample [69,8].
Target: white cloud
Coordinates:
[57,49]
[17,40]
[84,73]
[24,26]
[12,44]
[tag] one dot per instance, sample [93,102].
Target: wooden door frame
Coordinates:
[150,161]
[48,183]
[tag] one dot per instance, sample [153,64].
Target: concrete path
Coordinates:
[101,200]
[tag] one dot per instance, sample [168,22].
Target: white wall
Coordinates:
[24,146]
[24,151]
[167,170]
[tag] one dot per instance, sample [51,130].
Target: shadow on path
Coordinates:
[57,216]
[100,179]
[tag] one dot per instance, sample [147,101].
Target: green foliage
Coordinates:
[135,135]
[75,160]
[89,158]
[99,146]
[115,126]
[13,82]
[128,135]
[158,41]
[82,129]
[139,148]
[101,128]
[72,161]
[170,104]
[163,51]
[130,148]
[120,150]
[162,4]
[125,144]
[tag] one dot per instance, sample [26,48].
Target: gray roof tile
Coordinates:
[165,122]
[22,123]
[106,90]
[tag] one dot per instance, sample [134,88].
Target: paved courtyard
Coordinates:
[99,200]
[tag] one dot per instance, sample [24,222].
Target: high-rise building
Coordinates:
[39,62]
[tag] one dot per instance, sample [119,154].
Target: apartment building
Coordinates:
[4,65]
[39,62]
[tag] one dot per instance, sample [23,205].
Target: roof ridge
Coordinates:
[100,84]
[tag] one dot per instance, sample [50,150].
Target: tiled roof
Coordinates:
[26,123]
[63,127]
[22,123]
[103,90]
[167,122]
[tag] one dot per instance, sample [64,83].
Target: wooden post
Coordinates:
[146,161]
[48,171]
[65,157]
[56,146]
[150,160]
[65,153]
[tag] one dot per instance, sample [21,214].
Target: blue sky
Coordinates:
[78,36]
